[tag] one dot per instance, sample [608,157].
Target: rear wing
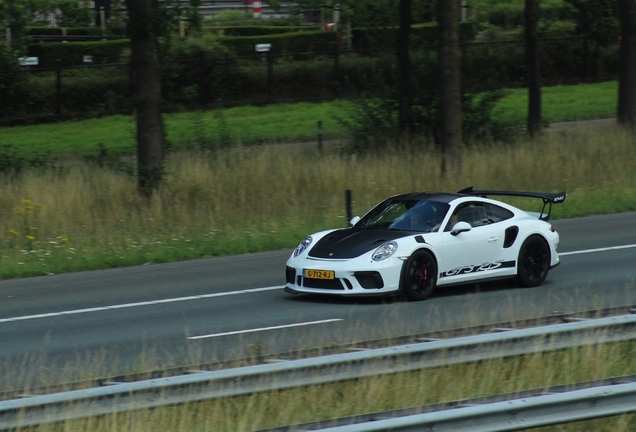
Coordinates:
[548,198]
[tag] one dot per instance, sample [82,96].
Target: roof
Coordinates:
[431,196]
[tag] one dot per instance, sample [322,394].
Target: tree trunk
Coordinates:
[146,76]
[404,88]
[532,66]
[626,114]
[450,135]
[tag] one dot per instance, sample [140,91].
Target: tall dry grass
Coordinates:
[263,198]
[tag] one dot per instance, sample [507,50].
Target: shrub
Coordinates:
[421,35]
[509,13]
[372,121]
[188,74]
[59,31]
[13,90]
[306,41]
[71,54]
[256,30]
[13,162]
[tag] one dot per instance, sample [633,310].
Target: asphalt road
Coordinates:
[120,320]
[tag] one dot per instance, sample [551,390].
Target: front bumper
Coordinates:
[358,276]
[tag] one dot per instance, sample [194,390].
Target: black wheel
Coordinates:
[534,262]
[419,276]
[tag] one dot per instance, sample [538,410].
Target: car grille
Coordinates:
[333,284]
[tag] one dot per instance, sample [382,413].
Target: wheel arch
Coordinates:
[543,238]
[531,273]
[405,259]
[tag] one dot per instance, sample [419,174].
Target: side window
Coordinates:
[498,214]
[475,213]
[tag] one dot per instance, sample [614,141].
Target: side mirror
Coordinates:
[460,227]
[354,220]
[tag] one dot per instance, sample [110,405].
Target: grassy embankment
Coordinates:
[83,216]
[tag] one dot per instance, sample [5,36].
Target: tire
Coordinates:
[534,262]
[419,276]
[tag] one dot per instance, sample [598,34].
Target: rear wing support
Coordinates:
[548,198]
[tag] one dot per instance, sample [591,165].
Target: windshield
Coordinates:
[405,214]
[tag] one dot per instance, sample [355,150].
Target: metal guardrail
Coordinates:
[513,415]
[200,386]
[557,317]
[456,407]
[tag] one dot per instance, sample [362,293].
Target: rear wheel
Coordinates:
[534,262]
[419,276]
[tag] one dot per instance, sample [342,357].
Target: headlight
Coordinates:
[384,251]
[303,246]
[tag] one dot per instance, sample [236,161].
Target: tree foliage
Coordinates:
[626,113]
[510,13]
[13,14]
[597,19]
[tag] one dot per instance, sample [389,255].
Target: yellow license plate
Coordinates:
[320,274]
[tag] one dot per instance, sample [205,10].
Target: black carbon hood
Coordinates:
[353,242]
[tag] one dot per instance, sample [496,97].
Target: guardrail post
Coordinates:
[58,88]
[320,136]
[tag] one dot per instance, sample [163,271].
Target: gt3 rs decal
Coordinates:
[477,268]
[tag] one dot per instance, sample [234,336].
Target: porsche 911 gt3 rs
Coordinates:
[413,243]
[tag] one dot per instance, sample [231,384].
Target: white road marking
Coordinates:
[597,250]
[263,329]
[132,305]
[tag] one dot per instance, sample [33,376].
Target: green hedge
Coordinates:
[59,31]
[72,53]
[302,40]
[254,30]
[307,41]
[421,35]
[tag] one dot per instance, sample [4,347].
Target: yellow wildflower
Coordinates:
[13,232]
[26,202]
[30,238]
[63,239]
[18,210]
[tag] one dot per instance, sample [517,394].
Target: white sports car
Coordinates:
[413,243]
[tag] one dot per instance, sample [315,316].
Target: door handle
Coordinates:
[492,239]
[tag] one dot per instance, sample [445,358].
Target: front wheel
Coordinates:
[419,276]
[534,262]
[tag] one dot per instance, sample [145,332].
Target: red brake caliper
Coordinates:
[424,273]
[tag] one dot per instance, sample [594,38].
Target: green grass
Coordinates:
[248,125]
[280,123]
[563,103]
